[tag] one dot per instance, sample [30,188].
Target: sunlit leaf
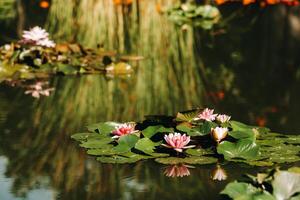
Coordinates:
[245,191]
[245,148]
[152,130]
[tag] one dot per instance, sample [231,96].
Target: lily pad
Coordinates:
[152,130]
[245,191]
[245,148]
[188,160]
[146,145]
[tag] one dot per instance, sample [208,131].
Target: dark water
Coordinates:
[248,69]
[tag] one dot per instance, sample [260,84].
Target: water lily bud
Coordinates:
[223,118]
[219,133]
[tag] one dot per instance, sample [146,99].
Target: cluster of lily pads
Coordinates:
[204,16]
[273,185]
[36,56]
[194,137]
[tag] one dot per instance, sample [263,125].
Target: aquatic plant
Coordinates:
[36,55]
[272,185]
[177,141]
[204,16]
[206,141]
[37,36]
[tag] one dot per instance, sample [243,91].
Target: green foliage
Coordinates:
[243,143]
[245,149]
[204,16]
[284,185]
[67,59]
[152,130]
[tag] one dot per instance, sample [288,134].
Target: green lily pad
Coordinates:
[103,127]
[119,159]
[245,191]
[95,143]
[199,152]
[152,130]
[186,117]
[188,160]
[146,145]
[86,136]
[245,148]
[126,143]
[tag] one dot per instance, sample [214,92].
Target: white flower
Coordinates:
[35,34]
[219,133]
[223,118]
[46,43]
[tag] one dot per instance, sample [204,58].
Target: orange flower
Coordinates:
[122,2]
[44,4]
[247,2]
[219,2]
[271,1]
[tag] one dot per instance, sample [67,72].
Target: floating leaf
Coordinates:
[104,151]
[95,143]
[103,127]
[119,159]
[247,134]
[85,136]
[187,116]
[126,143]
[152,130]
[245,148]
[199,152]
[146,145]
[245,191]
[188,160]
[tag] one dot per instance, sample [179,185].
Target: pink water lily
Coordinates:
[223,118]
[207,114]
[36,90]
[177,141]
[124,129]
[177,171]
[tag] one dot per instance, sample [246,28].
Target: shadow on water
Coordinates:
[249,70]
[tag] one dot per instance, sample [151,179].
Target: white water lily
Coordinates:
[219,133]
[46,43]
[223,118]
[37,36]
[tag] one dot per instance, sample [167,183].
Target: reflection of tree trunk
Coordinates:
[21,17]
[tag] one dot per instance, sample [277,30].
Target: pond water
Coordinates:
[249,69]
